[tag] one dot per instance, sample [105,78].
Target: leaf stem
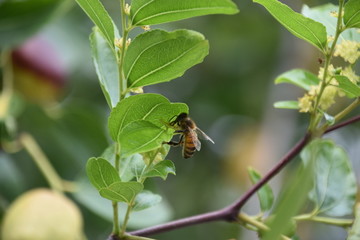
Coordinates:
[326,220]
[316,117]
[115,205]
[43,163]
[7,90]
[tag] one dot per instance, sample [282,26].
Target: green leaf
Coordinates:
[329,119]
[146,199]
[265,193]
[351,89]
[106,66]
[90,198]
[354,233]
[142,136]
[352,14]
[21,19]
[128,166]
[121,191]
[287,104]
[151,107]
[323,15]
[98,14]
[290,203]
[101,173]
[334,190]
[145,12]
[158,56]
[300,26]
[162,169]
[298,77]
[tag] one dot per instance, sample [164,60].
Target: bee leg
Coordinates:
[180,131]
[175,144]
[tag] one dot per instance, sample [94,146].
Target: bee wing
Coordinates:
[197,144]
[203,135]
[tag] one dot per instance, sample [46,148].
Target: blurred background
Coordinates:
[230,95]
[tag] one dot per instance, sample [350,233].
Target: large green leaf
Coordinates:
[146,199]
[150,12]
[298,77]
[98,14]
[21,19]
[352,14]
[151,107]
[106,66]
[101,173]
[351,89]
[142,136]
[354,233]
[159,56]
[162,169]
[302,27]
[334,190]
[323,15]
[121,191]
[265,193]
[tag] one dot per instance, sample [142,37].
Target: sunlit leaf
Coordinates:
[323,14]
[162,169]
[151,107]
[352,14]
[351,89]
[334,190]
[121,191]
[145,12]
[21,19]
[146,199]
[287,104]
[159,56]
[298,77]
[142,136]
[98,14]
[354,233]
[265,193]
[106,66]
[101,173]
[302,27]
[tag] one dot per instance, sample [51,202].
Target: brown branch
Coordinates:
[230,212]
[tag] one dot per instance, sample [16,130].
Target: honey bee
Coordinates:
[189,135]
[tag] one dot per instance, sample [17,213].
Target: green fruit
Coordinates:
[42,214]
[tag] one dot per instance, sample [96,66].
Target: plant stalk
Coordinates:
[43,163]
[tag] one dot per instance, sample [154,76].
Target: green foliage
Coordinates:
[146,199]
[144,12]
[354,233]
[122,191]
[98,14]
[352,14]
[265,193]
[302,27]
[106,66]
[162,169]
[350,89]
[298,77]
[21,19]
[101,173]
[323,15]
[159,56]
[291,202]
[151,107]
[287,104]
[334,190]
[142,136]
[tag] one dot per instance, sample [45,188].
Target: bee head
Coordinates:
[178,118]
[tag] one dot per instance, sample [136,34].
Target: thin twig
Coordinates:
[230,212]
